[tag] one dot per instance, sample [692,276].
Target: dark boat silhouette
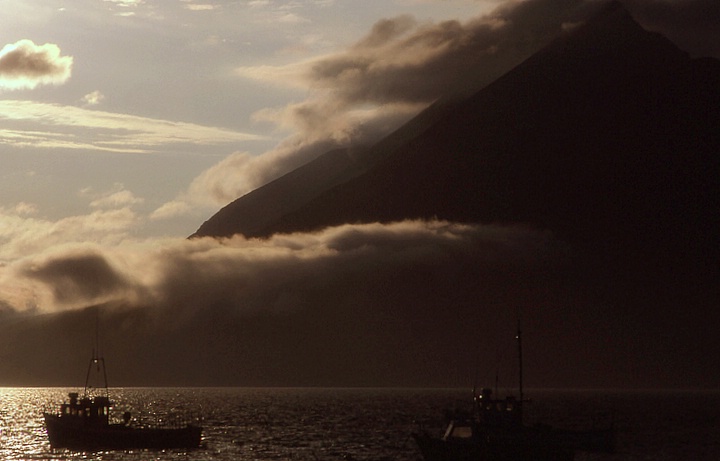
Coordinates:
[495,431]
[84,423]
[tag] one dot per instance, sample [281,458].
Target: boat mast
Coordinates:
[520,359]
[97,360]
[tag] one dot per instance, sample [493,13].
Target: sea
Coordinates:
[365,424]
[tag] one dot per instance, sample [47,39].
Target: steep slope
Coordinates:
[608,138]
[608,125]
[254,212]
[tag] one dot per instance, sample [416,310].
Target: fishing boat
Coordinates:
[495,431]
[84,423]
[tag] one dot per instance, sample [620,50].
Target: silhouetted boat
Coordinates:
[495,431]
[84,424]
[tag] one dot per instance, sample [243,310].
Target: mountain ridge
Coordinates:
[484,197]
[607,139]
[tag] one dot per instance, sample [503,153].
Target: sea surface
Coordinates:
[364,424]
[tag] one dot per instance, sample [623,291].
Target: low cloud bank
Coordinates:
[368,304]
[248,275]
[407,303]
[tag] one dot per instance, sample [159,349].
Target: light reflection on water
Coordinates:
[22,431]
[253,424]
[358,424]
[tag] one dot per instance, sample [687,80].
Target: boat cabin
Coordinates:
[490,414]
[93,411]
[498,412]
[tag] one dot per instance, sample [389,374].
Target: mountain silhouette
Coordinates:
[602,149]
[608,136]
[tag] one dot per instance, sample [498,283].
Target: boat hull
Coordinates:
[85,437]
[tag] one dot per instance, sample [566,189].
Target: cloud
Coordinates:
[200,7]
[217,185]
[23,209]
[76,275]
[241,172]
[119,198]
[28,123]
[23,234]
[213,186]
[25,65]
[291,18]
[248,275]
[23,231]
[126,4]
[172,209]
[94,98]
[388,292]
[404,60]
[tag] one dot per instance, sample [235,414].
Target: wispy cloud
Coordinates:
[111,219]
[29,123]
[117,197]
[27,65]
[22,234]
[200,7]
[94,98]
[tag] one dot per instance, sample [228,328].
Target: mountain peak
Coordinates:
[588,124]
[606,141]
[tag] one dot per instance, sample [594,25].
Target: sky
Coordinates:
[127,121]
[124,124]
[112,106]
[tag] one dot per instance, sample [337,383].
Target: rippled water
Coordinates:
[362,424]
